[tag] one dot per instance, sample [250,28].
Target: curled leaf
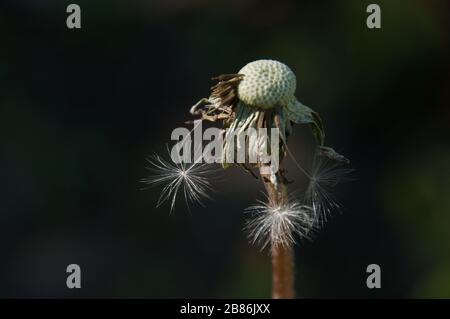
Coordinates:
[333,155]
[301,114]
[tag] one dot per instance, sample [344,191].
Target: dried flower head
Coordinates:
[261,95]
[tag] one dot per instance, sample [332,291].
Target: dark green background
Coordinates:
[81,109]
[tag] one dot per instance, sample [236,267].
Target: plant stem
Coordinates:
[282,255]
[282,272]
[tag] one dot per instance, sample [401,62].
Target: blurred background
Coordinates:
[80,110]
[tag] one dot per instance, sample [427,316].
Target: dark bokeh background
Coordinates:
[81,109]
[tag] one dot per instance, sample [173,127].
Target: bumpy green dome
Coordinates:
[266,84]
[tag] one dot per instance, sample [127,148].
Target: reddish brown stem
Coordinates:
[282,272]
[282,255]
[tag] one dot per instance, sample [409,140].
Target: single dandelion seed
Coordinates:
[189,179]
[325,175]
[281,224]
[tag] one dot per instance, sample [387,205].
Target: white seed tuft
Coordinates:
[188,179]
[280,225]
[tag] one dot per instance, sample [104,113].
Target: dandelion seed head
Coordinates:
[266,84]
[280,225]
